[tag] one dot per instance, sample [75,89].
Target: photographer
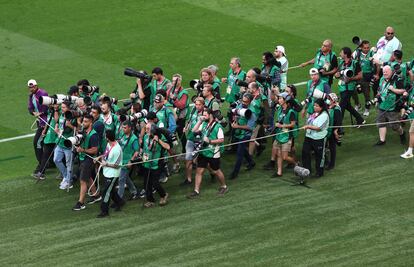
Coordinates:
[207,78]
[335,120]
[65,129]
[177,98]
[216,81]
[388,96]
[363,55]
[285,121]
[212,137]
[111,159]
[153,145]
[386,45]
[143,92]
[130,153]
[325,62]
[280,56]
[410,104]
[49,141]
[195,114]
[403,67]
[315,83]
[86,89]
[243,125]
[316,130]
[209,100]
[110,121]
[98,125]
[40,112]
[159,82]
[88,148]
[349,72]
[270,70]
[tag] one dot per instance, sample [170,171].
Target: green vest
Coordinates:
[151,154]
[350,86]
[163,116]
[85,144]
[51,136]
[127,147]
[321,60]
[233,89]
[404,72]
[364,60]
[241,133]
[209,103]
[309,92]
[331,119]
[282,134]
[410,103]
[155,86]
[67,132]
[211,132]
[388,98]
[192,121]
[274,69]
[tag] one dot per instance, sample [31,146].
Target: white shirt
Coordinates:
[385,48]
[284,68]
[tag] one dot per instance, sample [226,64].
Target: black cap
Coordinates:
[73,89]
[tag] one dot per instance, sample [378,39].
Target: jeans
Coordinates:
[66,171]
[124,178]
[242,152]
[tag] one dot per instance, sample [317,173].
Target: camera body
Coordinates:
[74,140]
[346,73]
[142,75]
[407,112]
[134,117]
[242,112]
[72,114]
[199,143]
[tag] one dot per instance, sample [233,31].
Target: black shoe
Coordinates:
[94,199]
[78,206]
[250,166]
[113,206]
[380,143]
[233,176]
[403,140]
[133,197]
[102,215]
[185,182]
[193,195]
[118,207]
[275,175]
[142,193]
[269,166]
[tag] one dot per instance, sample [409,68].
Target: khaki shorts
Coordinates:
[412,127]
[388,116]
[286,147]
[255,131]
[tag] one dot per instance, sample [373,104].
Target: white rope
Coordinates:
[294,67]
[95,181]
[33,124]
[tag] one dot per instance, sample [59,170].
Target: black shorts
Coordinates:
[203,162]
[87,170]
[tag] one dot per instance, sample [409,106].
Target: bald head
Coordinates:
[389,33]
[387,72]
[326,46]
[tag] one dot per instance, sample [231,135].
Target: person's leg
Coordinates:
[46,155]
[68,158]
[57,158]
[106,193]
[239,159]
[306,154]
[156,183]
[319,148]
[355,97]
[279,160]
[148,185]
[348,106]
[38,146]
[198,179]
[122,180]
[119,202]
[332,149]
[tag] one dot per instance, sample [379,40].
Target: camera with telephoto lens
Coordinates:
[346,73]
[134,117]
[316,94]
[157,131]
[141,74]
[199,143]
[90,89]
[198,86]
[220,118]
[111,100]
[242,112]
[72,114]
[373,101]
[74,140]
[242,83]
[59,99]
[407,113]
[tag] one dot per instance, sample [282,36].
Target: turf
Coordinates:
[358,214]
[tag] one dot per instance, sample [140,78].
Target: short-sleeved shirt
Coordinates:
[321,121]
[113,155]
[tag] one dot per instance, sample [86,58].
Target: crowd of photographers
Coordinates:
[85,133]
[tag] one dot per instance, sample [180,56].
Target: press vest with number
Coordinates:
[331,119]
[388,98]
[231,82]
[85,144]
[350,86]
[241,133]
[127,147]
[320,61]
[192,121]
[309,92]
[155,86]
[283,117]
[152,154]
[211,150]
[66,131]
[51,135]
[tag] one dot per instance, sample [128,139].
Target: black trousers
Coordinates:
[181,134]
[317,146]
[345,104]
[242,152]
[110,192]
[151,181]
[332,150]
[38,146]
[47,156]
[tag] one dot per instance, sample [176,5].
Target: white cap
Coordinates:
[313,71]
[281,49]
[31,82]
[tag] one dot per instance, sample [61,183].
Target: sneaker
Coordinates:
[78,206]
[357,107]
[269,166]
[94,199]
[260,150]
[64,185]
[102,215]
[366,113]
[193,195]
[222,191]
[186,182]
[164,200]
[164,179]
[38,176]
[250,166]
[407,155]
[142,193]
[360,124]
[149,204]
[134,197]
[380,143]
[403,140]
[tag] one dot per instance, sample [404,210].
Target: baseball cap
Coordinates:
[313,71]
[284,95]
[31,82]
[158,98]
[281,49]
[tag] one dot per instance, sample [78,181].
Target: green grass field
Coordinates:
[360,214]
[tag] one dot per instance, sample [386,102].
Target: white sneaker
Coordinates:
[407,155]
[64,185]
[357,107]
[366,113]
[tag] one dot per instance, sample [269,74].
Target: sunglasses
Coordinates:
[390,33]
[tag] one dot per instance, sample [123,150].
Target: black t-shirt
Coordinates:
[147,100]
[99,128]
[337,118]
[334,64]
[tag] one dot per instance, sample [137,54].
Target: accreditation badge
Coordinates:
[228,89]
[145,157]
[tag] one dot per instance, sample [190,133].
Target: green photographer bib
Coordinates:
[85,144]
[322,61]
[350,86]
[388,98]
[232,88]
